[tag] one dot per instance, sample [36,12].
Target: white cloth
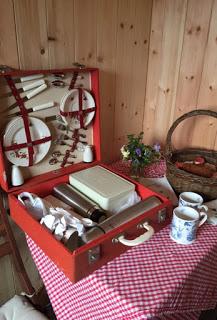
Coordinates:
[35,205]
[59,220]
[212,212]
[123,204]
[18,308]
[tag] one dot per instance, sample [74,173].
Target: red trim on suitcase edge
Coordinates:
[23,73]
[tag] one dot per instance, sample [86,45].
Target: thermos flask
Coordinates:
[120,218]
[77,200]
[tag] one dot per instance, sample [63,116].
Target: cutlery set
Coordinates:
[24,88]
[36,108]
[62,140]
[34,88]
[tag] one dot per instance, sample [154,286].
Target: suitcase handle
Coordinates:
[144,237]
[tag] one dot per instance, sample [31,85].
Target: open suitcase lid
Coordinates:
[47,118]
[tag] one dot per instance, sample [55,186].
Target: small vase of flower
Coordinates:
[139,155]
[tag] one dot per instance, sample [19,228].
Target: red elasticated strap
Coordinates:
[80,113]
[24,114]
[75,137]
[76,113]
[28,135]
[24,145]
[29,144]
[72,83]
[80,104]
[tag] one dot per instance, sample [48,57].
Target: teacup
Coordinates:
[191,199]
[185,223]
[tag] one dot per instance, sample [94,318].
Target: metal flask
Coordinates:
[121,217]
[77,200]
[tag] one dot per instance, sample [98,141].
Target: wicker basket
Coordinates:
[181,180]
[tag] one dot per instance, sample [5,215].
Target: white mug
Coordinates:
[185,223]
[191,199]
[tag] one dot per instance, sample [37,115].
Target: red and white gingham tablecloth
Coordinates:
[159,279]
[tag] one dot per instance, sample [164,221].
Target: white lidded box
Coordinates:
[104,187]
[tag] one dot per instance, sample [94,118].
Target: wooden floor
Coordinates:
[9,282]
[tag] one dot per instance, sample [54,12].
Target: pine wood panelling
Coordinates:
[205,130]
[133,21]
[31,28]
[140,64]
[168,16]
[61,33]
[8,45]
[85,31]
[125,39]
[191,65]
[154,67]
[106,51]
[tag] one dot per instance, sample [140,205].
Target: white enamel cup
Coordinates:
[185,223]
[193,200]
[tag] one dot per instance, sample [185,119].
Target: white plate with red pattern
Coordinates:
[15,134]
[70,103]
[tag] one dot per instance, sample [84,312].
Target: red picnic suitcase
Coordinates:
[41,101]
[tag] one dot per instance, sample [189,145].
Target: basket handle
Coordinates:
[199,112]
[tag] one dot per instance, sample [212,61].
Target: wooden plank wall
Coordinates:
[157,60]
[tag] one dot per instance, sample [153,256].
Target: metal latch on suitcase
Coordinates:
[94,254]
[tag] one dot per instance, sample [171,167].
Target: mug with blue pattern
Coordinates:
[185,223]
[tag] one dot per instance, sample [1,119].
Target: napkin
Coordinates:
[62,223]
